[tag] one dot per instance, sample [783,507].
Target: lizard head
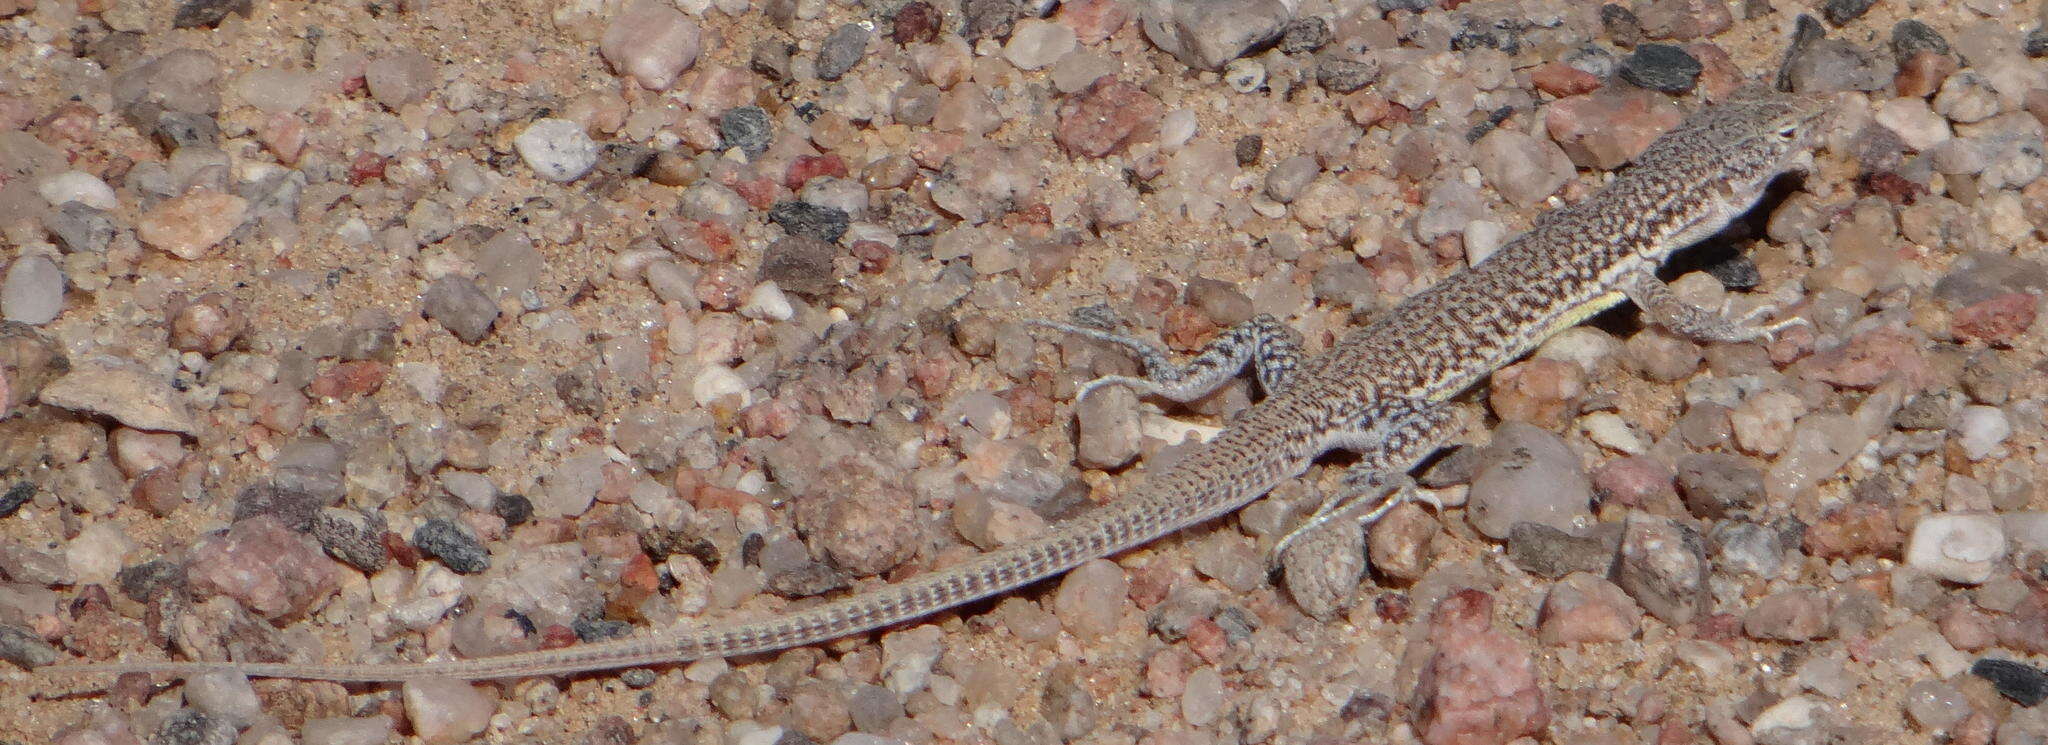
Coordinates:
[1751,136]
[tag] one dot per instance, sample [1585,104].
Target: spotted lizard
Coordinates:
[1379,392]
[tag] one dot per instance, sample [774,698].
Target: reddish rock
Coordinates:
[366,166]
[1855,529]
[1539,391]
[1398,543]
[1719,75]
[915,22]
[349,380]
[1996,320]
[1106,117]
[1584,608]
[1683,20]
[272,571]
[1792,615]
[1186,328]
[1561,80]
[1967,628]
[1869,360]
[1206,638]
[807,167]
[1606,128]
[1093,21]
[1479,686]
[1635,481]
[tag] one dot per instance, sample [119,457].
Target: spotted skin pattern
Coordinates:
[1377,392]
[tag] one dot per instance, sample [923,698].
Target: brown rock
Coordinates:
[1855,529]
[1606,128]
[1398,543]
[188,227]
[1106,117]
[1561,80]
[1585,608]
[1923,73]
[1996,320]
[1540,391]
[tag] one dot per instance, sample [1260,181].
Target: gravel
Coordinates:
[438,332]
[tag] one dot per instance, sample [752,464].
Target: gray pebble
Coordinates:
[1663,565]
[454,546]
[1661,67]
[1841,12]
[874,708]
[770,58]
[841,51]
[1340,75]
[149,580]
[1748,547]
[191,727]
[637,678]
[292,506]
[177,129]
[1720,485]
[1551,553]
[353,537]
[815,221]
[32,291]
[1305,35]
[1834,65]
[800,264]
[79,228]
[459,306]
[747,128]
[24,649]
[1527,474]
[207,13]
[1910,37]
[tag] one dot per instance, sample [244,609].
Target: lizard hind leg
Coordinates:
[1322,557]
[1270,348]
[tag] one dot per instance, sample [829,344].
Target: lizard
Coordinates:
[1381,392]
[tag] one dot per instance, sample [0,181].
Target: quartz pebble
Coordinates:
[1035,44]
[446,711]
[1527,474]
[32,291]
[77,186]
[653,42]
[1961,548]
[1205,34]
[274,572]
[556,149]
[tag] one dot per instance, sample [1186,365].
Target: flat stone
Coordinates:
[124,391]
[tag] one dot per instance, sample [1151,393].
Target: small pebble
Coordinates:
[454,546]
[1958,547]
[557,150]
[841,51]
[653,42]
[32,291]
[2024,684]
[446,711]
[1661,67]
[461,307]
[1036,44]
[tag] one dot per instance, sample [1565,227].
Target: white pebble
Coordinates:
[1244,75]
[1177,128]
[1608,430]
[557,149]
[1961,548]
[78,186]
[716,382]
[767,302]
[1982,429]
[1036,43]
[33,291]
